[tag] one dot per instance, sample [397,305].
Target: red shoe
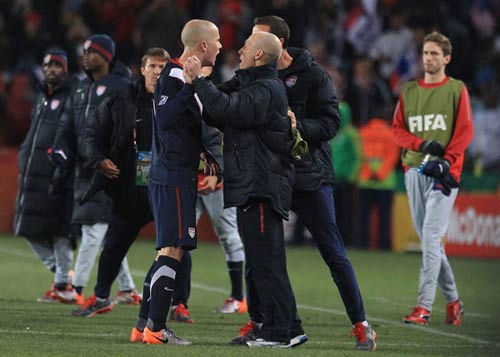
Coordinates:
[419,316]
[136,336]
[68,296]
[365,337]
[454,312]
[232,306]
[181,314]
[128,298]
[93,306]
[247,333]
[48,297]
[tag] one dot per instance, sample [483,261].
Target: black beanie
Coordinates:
[58,56]
[102,44]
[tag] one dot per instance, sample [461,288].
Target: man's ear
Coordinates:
[203,46]
[259,55]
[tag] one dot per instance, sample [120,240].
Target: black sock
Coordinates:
[78,289]
[183,281]
[162,287]
[146,293]
[236,276]
[53,269]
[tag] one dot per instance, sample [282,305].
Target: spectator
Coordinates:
[367,95]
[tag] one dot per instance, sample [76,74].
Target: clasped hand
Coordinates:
[192,68]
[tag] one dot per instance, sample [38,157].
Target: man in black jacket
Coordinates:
[43,218]
[314,107]
[118,142]
[258,172]
[105,75]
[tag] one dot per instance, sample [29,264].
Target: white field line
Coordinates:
[310,342]
[214,289]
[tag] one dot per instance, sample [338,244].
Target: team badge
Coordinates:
[191,232]
[55,104]
[163,100]
[290,81]
[100,90]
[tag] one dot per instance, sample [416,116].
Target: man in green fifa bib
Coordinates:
[433,126]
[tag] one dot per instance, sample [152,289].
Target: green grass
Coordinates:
[388,284]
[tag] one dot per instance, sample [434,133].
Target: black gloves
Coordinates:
[436,168]
[445,184]
[432,147]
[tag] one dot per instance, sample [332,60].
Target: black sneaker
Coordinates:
[93,306]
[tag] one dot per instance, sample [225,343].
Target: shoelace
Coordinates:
[359,332]
[181,309]
[89,302]
[247,328]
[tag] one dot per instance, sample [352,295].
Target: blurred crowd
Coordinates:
[369,48]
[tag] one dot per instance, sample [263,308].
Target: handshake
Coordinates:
[438,168]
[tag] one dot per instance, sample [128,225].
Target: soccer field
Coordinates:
[388,284]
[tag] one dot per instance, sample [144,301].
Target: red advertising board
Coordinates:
[474,229]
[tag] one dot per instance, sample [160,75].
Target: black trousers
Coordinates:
[126,222]
[266,276]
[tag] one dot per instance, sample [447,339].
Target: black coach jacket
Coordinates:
[70,138]
[257,136]
[311,96]
[38,214]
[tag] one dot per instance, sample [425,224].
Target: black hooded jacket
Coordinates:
[312,97]
[38,214]
[70,138]
[251,109]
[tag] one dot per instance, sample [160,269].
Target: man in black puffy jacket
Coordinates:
[252,112]
[43,218]
[314,107]
[105,75]
[118,142]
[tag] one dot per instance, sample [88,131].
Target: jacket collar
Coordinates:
[250,74]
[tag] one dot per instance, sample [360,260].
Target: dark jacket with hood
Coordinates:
[312,97]
[70,138]
[251,109]
[38,214]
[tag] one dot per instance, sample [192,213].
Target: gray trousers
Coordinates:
[55,253]
[92,238]
[430,213]
[224,224]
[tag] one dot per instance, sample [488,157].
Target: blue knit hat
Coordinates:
[56,55]
[102,44]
